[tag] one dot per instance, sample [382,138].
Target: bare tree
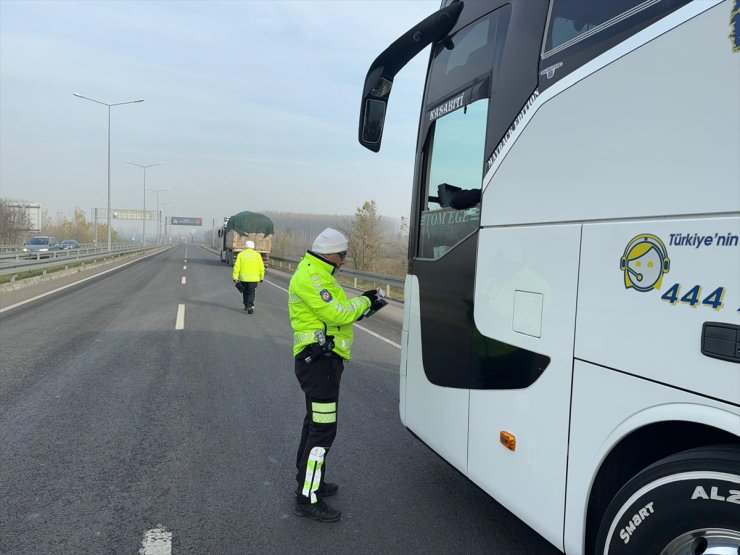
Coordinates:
[294,234]
[367,237]
[283,244]
[13,222]
[396,251]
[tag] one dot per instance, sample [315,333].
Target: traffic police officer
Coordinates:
[322,318]
[249,270]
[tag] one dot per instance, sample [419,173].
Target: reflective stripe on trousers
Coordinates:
[313,473]
[320,384]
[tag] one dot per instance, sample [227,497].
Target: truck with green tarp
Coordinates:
[243,227]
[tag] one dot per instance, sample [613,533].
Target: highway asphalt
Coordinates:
[120,433]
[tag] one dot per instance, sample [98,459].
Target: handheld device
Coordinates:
[377,305]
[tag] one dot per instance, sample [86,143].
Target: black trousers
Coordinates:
[248,290]
[320,384]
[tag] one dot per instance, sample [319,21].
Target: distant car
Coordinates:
[68,244]
[40,244]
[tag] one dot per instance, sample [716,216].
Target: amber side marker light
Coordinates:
[508,440]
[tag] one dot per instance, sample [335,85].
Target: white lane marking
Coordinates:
[276,285]
[359,327]
[72,284]
[180,321]
[183,280]
[184,267]
[157,541]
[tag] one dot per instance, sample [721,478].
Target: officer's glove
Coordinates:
[372,294]
[378,304]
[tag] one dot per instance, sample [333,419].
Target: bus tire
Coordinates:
[686,503]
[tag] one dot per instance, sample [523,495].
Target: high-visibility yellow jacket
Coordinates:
[249,266]
[316,300]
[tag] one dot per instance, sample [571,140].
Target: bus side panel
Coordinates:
[411,290]
[437,415]
[526,285]
[646,291]
[608,406]
[652,130]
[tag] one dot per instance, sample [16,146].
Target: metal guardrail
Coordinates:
[6,250]
[10,248]
[392,284]
[20,262]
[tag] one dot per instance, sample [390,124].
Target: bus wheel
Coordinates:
[685,504]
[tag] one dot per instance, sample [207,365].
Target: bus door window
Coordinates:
[451,209]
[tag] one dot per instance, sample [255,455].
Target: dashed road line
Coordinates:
[157,541]
[180,320]
[183,280]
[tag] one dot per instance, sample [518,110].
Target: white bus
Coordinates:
[571,338]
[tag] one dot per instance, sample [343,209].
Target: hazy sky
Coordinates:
[249,105]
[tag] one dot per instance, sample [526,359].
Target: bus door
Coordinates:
[444,239]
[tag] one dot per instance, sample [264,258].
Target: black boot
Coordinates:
[327,489]
[319,511]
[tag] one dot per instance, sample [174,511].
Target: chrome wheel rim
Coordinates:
[708,541]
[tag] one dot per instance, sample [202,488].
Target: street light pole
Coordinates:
[143,214]
[109,107]
[166,209]
[158,191]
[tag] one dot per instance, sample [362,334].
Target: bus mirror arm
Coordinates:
[379,79]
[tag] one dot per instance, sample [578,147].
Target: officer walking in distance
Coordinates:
[322,318]
[249,271]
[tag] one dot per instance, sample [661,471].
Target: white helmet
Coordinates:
[249,244]
[329,241]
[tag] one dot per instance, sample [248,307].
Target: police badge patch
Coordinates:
[326,295]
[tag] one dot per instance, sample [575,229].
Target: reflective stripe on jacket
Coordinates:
[249,266]
[314,299]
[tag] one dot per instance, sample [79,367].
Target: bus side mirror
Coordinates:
[372,123]
[379,79]
[374,104]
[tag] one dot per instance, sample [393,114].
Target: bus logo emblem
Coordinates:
[644,263]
